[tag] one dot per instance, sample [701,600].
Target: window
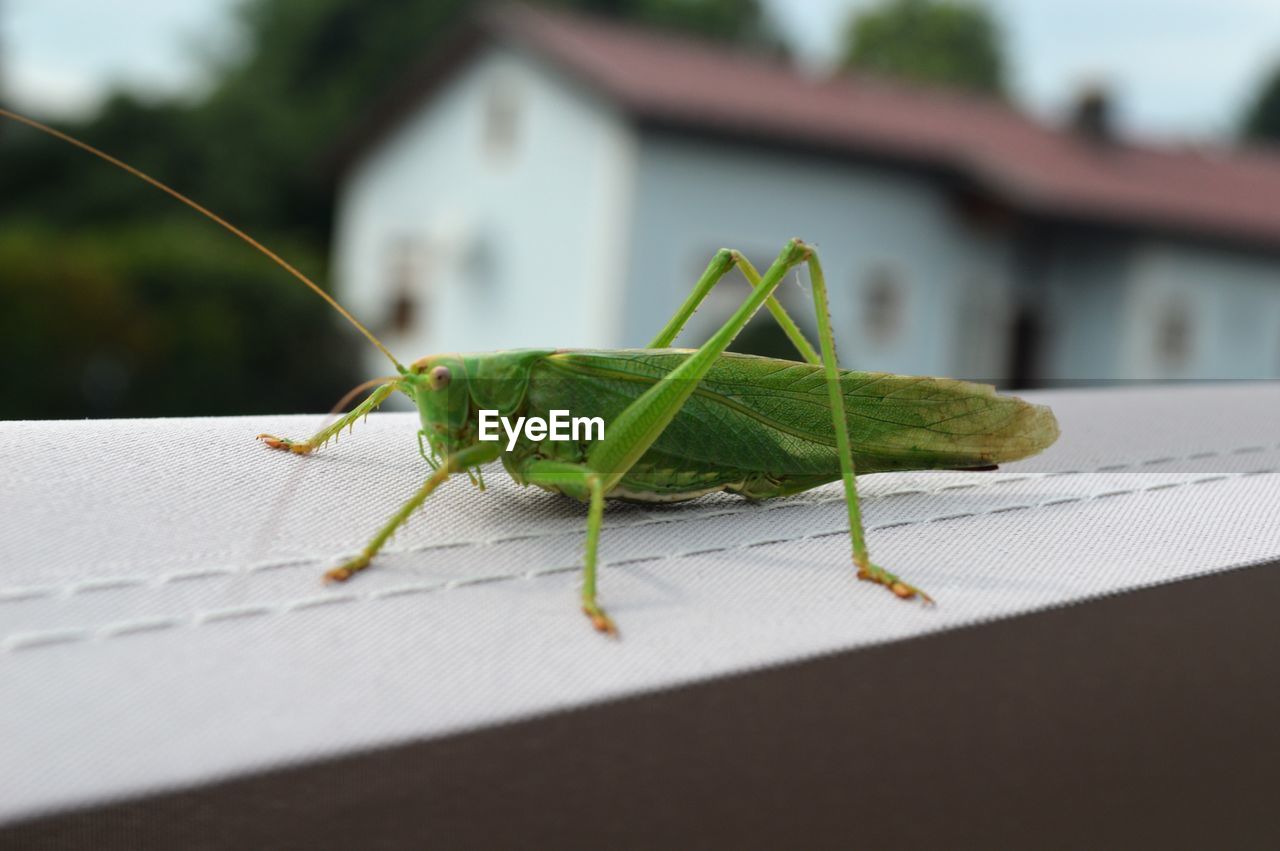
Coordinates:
[501,117]
[406,259]
[1173,335]
[883,306]
[480,266]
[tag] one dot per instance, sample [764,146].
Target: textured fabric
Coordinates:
[162,619]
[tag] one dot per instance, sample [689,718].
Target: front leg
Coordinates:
[324,435]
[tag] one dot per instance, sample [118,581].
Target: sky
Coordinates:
[1178,69]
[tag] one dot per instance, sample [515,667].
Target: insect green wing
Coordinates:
[755,414]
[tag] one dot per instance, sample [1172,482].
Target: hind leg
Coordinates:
[861,560]
[721,264]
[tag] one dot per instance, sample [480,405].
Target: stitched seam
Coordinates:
[24,641]
[17,594]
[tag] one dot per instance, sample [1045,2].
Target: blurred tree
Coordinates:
[943,42]
[1262,119]
[737,21]
[158,318]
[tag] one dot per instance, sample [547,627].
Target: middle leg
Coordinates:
[457,462]
[578,479]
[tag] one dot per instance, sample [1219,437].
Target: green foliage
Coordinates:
[53,182]
[939,42]
[160,318]
[736,21]
[311,69]
[1262,120]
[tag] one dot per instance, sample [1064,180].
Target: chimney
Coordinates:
[1091,114]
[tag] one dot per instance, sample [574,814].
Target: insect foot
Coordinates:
[345,571]
[880,576]
[300,448]
[602,622]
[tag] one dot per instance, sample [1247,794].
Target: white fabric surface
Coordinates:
[162,619]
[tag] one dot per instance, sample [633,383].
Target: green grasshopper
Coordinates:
[683,423]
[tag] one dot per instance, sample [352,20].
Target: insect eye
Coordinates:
[440,377]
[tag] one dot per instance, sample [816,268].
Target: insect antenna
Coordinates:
[209,214]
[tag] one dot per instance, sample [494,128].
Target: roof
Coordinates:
[683,83]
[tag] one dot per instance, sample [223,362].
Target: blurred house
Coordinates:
[555,180]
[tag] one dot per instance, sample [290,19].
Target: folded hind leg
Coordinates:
[724,260]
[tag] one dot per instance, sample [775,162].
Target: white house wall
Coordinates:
[1128,309]
[1231,301]
[516,252]
[693,196]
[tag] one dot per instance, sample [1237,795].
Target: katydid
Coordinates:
[683,423]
